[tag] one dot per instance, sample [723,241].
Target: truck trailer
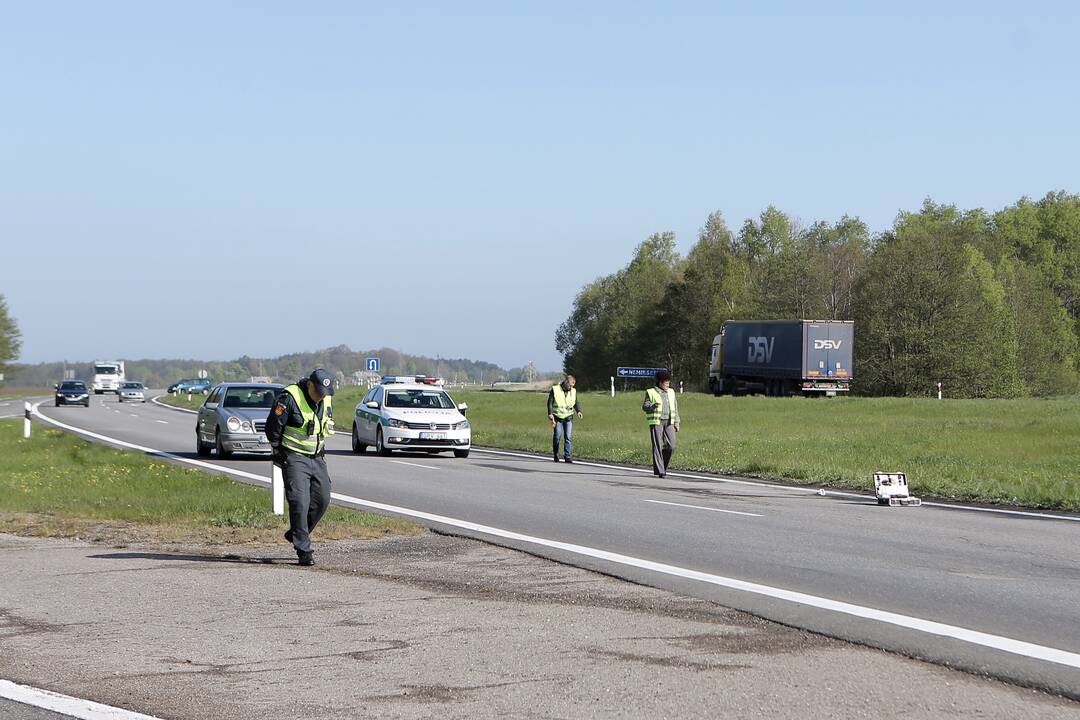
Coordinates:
[782,357]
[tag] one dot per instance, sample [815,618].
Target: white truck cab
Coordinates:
[108,376]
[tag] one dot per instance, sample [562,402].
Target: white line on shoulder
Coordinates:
[65,704]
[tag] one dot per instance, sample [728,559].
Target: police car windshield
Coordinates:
[254,398]
[418,400]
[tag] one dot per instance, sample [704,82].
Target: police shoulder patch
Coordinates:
[279,409]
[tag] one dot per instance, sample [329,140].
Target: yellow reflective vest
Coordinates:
[564,402]
[310,438]
[655,401]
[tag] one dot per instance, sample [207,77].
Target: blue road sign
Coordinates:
[637,372]
[373,364]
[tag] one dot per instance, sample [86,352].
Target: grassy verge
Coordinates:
[16,392]
[55,484]
[1020,452]
[182,401]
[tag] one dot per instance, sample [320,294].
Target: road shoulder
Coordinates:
[414,626]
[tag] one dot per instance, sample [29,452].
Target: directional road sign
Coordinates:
[637,372]
[373,364]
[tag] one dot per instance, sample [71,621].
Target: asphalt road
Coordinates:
[987,592]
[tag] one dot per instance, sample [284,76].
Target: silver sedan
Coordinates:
[233,419]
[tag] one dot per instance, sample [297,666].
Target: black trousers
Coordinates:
[307,488]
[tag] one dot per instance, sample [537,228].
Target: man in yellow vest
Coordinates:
[662,412]
[562,405]
[297,428]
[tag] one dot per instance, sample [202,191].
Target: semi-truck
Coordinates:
[782,357]
[108,376]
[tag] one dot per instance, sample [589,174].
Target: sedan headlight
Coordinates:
[394,423]
[463,425]
[233,424]
[246,426]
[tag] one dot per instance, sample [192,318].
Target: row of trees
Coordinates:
[987,303]
[10,337]
[340,360]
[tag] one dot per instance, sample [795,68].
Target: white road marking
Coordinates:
[930,627]
[403,462]
[133,415]
[702,507]
[156,401]
[793,488]
[65,704]
[163,422]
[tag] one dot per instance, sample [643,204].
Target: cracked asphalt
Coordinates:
[432,625]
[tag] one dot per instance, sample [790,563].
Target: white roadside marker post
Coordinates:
[612,386]
[279,490]
[939,391]
[26,420]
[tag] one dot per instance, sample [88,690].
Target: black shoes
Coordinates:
[556,458]
[305,558]
[288,536]
[568,461]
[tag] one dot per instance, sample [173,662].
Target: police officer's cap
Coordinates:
[323,380]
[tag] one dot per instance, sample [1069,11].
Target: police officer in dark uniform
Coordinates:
[297,427]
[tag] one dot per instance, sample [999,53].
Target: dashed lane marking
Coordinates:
[702,507]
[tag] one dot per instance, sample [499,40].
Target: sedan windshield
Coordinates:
[132,386]
[246,397]
[419,399]
[73,386]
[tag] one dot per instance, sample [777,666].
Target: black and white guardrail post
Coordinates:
[27,409]
[278,484]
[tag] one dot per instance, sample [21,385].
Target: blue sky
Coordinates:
[217,179]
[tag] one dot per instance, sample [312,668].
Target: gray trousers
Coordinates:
[307,488]
[663,445]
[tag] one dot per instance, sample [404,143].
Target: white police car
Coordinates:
[408,416]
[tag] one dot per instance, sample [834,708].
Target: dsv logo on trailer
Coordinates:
[827,344]
[759,349]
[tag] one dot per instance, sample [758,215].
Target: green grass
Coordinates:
[1020,452]
[54,480]
[13,393]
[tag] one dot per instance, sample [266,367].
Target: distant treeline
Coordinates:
[339,360]
[986,303]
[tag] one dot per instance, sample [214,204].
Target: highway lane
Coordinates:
[1011,577]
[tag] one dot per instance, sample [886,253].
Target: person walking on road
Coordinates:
[297,428]
[562,405]
[662,412]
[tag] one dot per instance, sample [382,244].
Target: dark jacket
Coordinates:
[286,412]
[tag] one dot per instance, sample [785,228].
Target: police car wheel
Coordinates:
[357,446]
[380,446]
[461,453]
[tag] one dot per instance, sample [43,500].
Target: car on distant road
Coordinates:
[176,385]
[233,419]
[72,392]
[409,416]
[132,391]
[193,387]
